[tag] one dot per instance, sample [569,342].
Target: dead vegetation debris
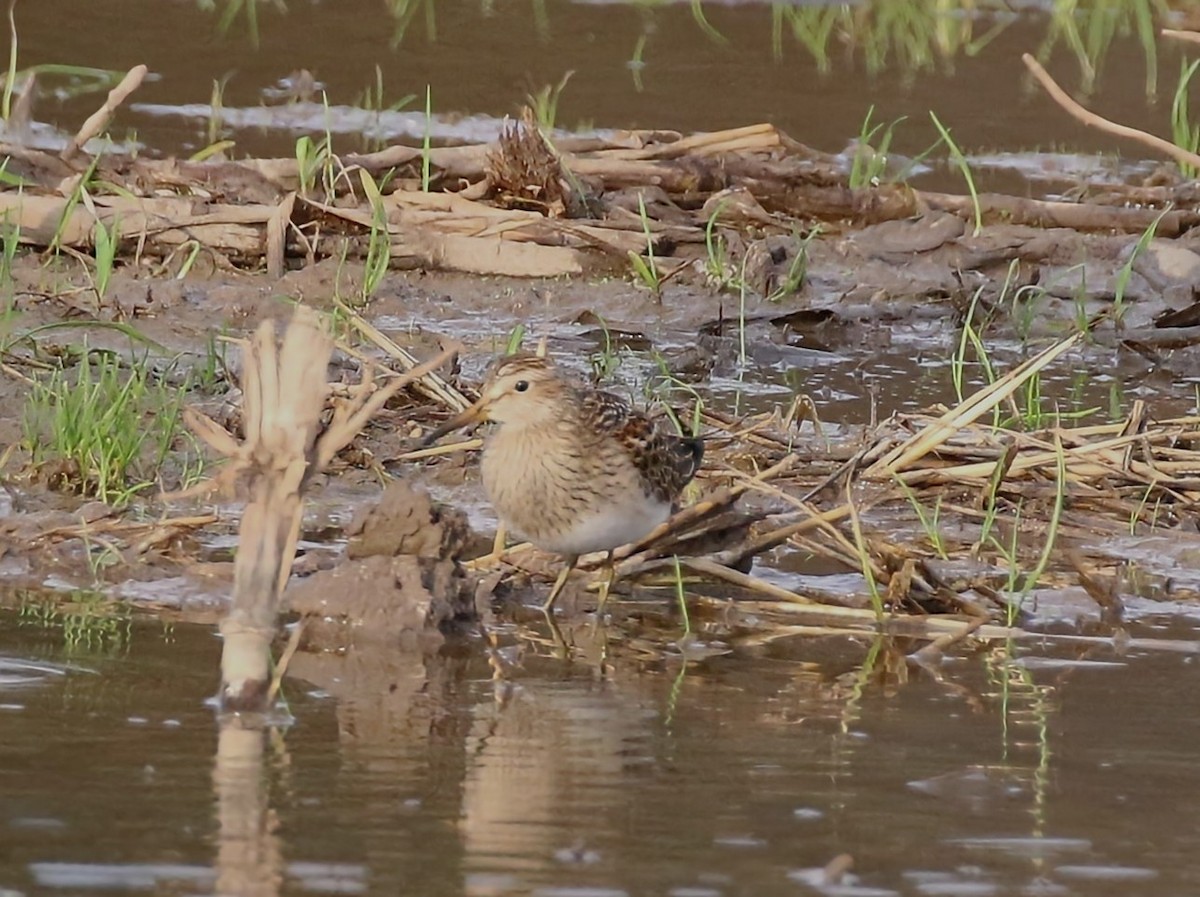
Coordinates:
[522,205]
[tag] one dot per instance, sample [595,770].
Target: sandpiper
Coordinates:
[571,468]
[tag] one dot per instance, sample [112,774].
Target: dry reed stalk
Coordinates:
[746,429]
[1109,459]
[495,557]
[1044,213]
[467,445]
[284,389]
[719,571]
[277,230]
[929,627]
[842,549]
[766,541]
[936,649]
[970,410]
[115,526]
[720,499]
[934,627]
[765,133]
[430,384]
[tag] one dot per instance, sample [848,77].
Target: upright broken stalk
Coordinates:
[285,389]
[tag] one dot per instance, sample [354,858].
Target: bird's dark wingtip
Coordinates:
[691,456]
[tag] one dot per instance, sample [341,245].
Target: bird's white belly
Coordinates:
[563,499]
[607,527]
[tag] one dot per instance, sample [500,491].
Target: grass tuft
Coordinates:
[104,430]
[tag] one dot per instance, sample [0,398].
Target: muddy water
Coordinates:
[635,65]
[1053,770]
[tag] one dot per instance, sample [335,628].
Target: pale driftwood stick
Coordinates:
[277,227]
[1190,36]
[98,119]
[1074,215]
[1092,120]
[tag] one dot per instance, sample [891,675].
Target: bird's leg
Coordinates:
[606,583]
[561,649]
[572,560]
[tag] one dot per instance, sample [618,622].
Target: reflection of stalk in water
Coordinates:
[882,650]
[911,35]
[684,639]
[705,25]
[404,11]
[673,697]
[1088,31]
[636,62]
[232,10]
[1022,701]
[851,710]
[249,860]
[541,20]
[811,27]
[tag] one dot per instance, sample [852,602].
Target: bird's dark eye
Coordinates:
[521,385]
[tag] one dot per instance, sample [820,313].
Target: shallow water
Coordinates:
[1055,772]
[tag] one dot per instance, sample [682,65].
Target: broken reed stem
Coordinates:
[1092,120]
[284,390]
[351,416]
[743,580]
[285,387]
[722,498]
[430,383]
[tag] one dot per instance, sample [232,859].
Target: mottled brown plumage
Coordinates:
[574,469]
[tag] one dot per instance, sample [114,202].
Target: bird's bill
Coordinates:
[472,415]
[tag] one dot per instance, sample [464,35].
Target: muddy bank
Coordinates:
[724,274]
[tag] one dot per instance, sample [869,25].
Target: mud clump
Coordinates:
[407,522]
[401,581]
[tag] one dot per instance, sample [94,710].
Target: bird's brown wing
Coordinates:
[604,412]
[665,461]
[671,462]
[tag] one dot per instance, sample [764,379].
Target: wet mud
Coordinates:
[872,331]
